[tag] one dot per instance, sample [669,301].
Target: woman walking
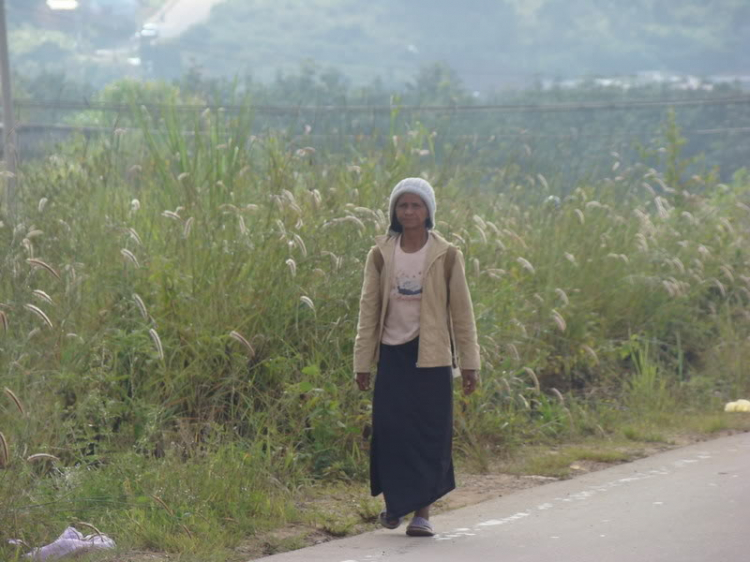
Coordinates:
[415,322]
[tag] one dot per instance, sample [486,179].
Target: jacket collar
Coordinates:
[387,245]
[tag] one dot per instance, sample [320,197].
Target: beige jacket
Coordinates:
[435,317]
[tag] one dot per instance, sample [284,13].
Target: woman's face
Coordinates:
[411,211]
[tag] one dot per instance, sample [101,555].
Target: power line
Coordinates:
[36,127]
[500,108]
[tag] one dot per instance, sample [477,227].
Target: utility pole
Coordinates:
[9,122]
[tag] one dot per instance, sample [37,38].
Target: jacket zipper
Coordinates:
[386,269]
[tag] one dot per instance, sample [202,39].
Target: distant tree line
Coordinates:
[320,107]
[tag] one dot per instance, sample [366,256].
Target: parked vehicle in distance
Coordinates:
[149,30]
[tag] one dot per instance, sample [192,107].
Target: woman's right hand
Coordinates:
[363,381]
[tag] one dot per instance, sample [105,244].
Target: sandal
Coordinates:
[389,522]
[420,527]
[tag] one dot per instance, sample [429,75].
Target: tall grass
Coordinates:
[179,311]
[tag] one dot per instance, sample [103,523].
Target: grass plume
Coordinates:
[15,400]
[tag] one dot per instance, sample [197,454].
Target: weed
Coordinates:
[337,525]
[604,455]
[643,435]
[552,464]
[368,509]
[648,389]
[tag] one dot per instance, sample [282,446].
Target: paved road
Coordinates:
[176,16]
[687,505]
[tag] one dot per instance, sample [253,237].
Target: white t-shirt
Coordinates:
[405,299]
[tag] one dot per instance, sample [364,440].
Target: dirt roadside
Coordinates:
[471,489]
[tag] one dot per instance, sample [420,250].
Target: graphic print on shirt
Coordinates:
[408,286]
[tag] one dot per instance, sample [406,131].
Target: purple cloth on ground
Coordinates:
[70,542]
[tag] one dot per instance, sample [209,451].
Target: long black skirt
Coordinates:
[412,421]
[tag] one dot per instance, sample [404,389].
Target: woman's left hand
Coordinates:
[469,381]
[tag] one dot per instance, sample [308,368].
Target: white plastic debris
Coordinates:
[69,543]
[738,406]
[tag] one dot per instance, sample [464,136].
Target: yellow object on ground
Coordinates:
[738,406]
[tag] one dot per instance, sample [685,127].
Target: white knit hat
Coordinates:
[417,186]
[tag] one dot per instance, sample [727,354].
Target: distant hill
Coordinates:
[488,42]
